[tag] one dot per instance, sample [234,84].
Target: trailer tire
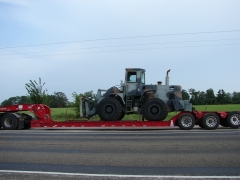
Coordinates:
[233,119]
[186,121]
[110,109]
[210,121]
[154,110]
[9,122]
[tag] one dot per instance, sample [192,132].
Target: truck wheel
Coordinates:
[210,121]
[9,122]
[154,110]
[233,119]
[186,121]
[110,109]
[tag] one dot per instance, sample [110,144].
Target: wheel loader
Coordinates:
[134,96]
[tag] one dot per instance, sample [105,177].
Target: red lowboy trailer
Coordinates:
[13,117]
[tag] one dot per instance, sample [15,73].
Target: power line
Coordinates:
[125,50]
[124,46]
[118,38]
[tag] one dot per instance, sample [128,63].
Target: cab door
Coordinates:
[135,81]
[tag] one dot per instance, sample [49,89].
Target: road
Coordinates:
[138,153]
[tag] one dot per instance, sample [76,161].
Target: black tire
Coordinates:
[110,109]
[9,122]
[233,119]
[224,123]
[210,121]
[186,121]
[154,110]
[122,115]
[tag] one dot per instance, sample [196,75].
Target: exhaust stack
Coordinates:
[167,78]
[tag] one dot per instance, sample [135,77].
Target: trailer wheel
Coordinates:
[110,109]
[186,121]
[233,119]
[9,122]
[154,110]
[210,121]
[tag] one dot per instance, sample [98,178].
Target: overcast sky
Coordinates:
[78,46]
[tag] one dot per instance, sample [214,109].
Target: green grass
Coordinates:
[228,107]
[62,114]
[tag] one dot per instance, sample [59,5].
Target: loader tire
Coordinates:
[110,109]
[233,119]
[9,122]
[154,110]
[122,115]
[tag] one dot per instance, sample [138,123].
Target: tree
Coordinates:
[10,101]
[222,97]
[36,92]
[210,97]
[236,97]
[58,99]
[194,96]
[202,98]
[185,95]
[16,100]
[228,98]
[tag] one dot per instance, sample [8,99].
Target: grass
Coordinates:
[62,114]
[228,107]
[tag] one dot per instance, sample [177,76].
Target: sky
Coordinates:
[79,46]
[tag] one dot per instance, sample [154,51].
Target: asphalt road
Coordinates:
[138,153]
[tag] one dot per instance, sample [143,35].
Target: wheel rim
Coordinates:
[155,110]
[211,121]
[108,109]
[8,122]
[186,121]
[235,119]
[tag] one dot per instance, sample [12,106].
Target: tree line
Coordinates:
[56,100]
[37,95]
[209,97]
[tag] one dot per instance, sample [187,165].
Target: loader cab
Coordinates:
[134,80]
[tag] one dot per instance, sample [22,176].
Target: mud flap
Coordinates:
[20,124]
